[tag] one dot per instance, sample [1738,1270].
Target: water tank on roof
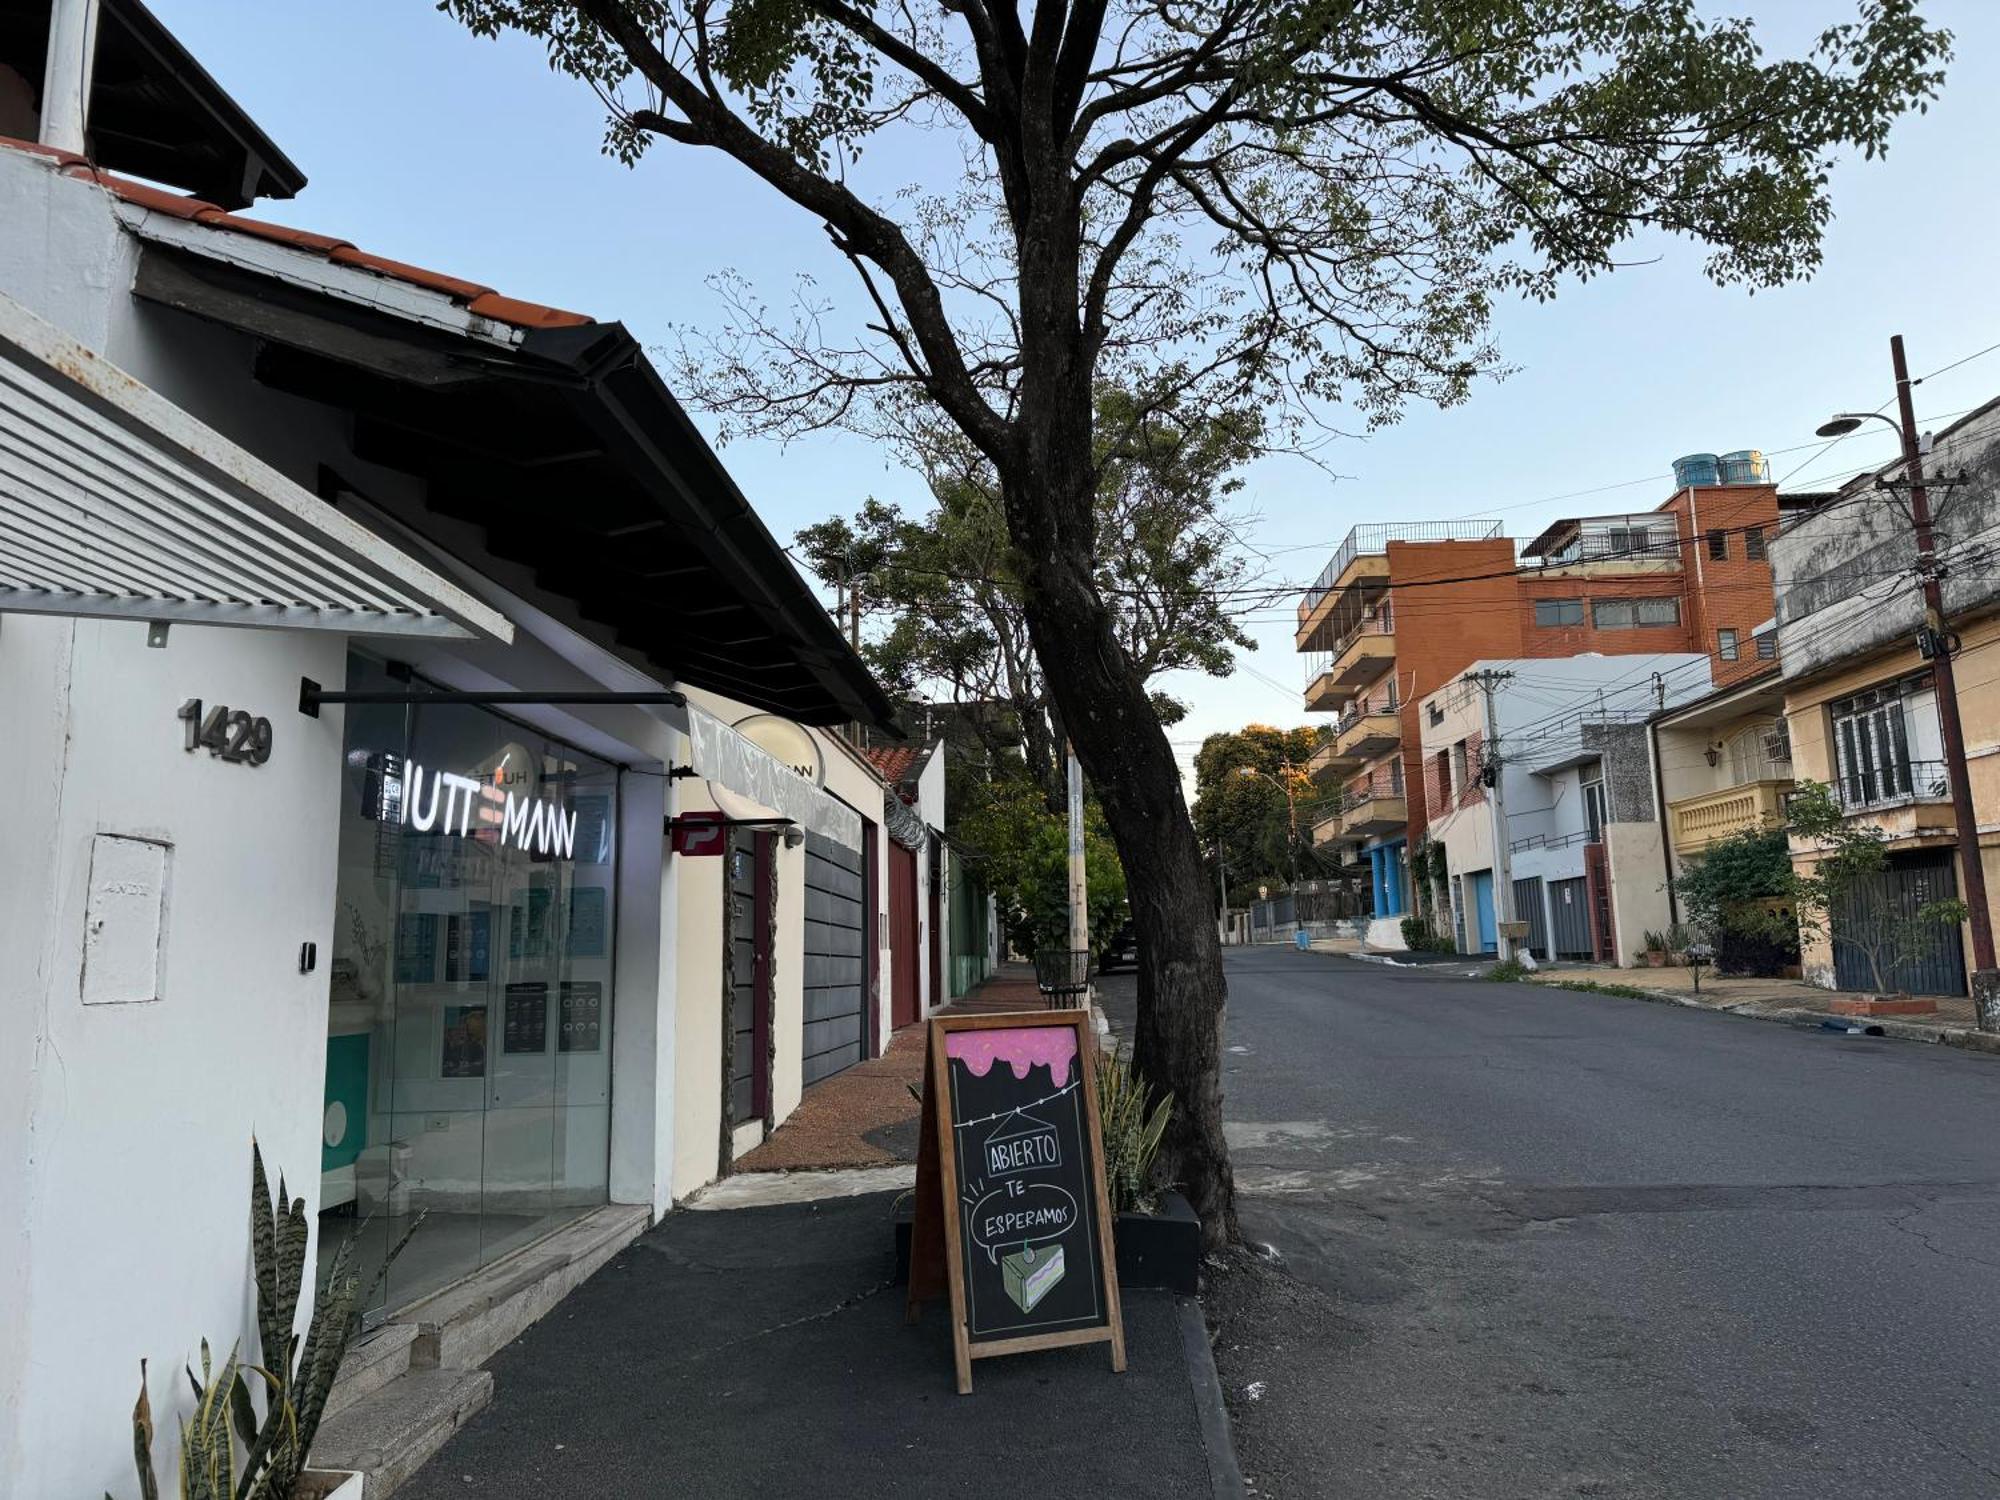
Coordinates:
[1697,468]
[1745,466]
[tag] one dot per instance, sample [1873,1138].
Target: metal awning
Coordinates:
[116,503]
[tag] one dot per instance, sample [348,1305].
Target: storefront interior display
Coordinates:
[468,1047]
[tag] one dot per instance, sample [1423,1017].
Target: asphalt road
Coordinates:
[1538,1243]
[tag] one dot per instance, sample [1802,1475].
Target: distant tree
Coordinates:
[1022,851]
[1241,809]
[1849,857]
[1293,207]
[951,585]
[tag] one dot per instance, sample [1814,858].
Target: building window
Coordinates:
[1872,734]
[1436,714]
[1593,804]
[1767,646]
[1461,775]
[1753,543]
[1725,644]
[1628,614]
[1558,611]
[1718,544]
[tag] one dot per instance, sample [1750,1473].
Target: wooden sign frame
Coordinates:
[937,1266]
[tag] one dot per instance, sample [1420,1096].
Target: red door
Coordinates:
[902,935]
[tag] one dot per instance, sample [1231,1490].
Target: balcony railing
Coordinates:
[1549,841]
[1700,821]
[1375,538]
[1381,623]
[1893,785]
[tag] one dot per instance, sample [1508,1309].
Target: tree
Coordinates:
[953,592]
[1023,853]
[1849,857]
[1242,809]
[1290,206]
[1742,895]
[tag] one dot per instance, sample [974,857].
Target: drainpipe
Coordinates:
[66,75]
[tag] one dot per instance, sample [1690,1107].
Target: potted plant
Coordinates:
[1156,1231]
[295,1377]
[1656,949]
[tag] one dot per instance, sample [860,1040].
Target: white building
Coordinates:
[364,636]
[1584,861]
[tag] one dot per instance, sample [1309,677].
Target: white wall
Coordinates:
[931,808]
[134,1199]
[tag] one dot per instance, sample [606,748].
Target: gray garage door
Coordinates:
[1569,905]
[1874,916]
[1528,908]
[835,976]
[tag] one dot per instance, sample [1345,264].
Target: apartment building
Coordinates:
[1860,711]
[1572,846]
[1402,608]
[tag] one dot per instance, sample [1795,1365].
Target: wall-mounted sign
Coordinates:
[787,742]
[450,803]
[1013,1222]
[701,833]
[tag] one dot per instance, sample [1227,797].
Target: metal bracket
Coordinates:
[312,696]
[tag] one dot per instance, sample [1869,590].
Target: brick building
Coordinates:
[1402,608]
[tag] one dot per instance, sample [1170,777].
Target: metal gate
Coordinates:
[1569,906]
[835,976]
[1528,908]
[1864,918]
[903,1007]
[749,974]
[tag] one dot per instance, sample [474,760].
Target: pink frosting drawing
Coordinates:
[1020,1047]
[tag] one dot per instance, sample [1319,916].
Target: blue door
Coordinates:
[1482,904]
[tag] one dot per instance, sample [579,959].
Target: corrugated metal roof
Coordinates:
[115,502]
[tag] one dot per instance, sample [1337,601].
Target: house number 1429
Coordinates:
[229,733]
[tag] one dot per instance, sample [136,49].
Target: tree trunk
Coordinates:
[1123,749]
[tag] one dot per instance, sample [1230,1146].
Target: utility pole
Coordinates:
[1490,772]
[1079,910]
[1985,981]
[1221,895]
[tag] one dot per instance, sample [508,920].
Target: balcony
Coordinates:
[1368,734]
[1324,693]
[1374,804]
[1328,762]
[1364,655]
[1363,561]
[1698,822]
[1897,784]
[1326,830]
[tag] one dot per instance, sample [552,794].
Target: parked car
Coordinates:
[1120,951]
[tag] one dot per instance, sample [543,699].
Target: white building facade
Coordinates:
[1565,740]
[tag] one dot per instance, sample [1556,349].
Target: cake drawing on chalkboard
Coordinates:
[1028,1278]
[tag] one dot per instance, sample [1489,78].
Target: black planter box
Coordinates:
[1157,1252]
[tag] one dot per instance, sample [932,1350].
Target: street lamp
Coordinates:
[1291,811]
[1985,982]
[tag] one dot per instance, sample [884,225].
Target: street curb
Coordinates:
[1225,1478]
[1963,1038]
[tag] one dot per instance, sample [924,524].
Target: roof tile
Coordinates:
[482,300]
[452,286]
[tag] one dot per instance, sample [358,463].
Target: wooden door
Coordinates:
[902,936]
[750,894]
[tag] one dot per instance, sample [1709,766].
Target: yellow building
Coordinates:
[1860,704]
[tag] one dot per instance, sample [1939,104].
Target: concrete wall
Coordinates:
[139,1113]
[1843,583]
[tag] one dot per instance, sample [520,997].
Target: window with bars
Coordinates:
[1718,544]
[1725,643]
[1767,646]
[1630,614]
[1871,743]
[1753,543]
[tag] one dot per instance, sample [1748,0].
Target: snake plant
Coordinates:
[297,1375]
[1132,1125]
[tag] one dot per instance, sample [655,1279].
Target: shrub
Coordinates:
[1133,1125]
[1511,971]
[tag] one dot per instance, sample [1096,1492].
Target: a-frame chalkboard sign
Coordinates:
[1012,1220]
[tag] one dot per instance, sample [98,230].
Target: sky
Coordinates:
[431,146]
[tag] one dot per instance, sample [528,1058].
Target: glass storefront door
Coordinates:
[469,1036]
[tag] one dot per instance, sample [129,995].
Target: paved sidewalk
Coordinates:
[761,1352]
[1780,1000]
[866,1116]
